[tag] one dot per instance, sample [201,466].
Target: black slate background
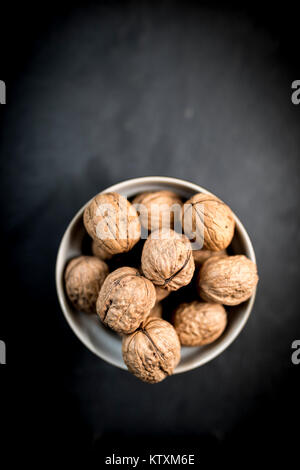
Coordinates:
[104,92]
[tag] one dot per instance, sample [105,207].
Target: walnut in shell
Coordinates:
[199,323]
[227,280]
[84,277]
[113,223]
[153,351]
[200,256]
[161,293]
[98,251]
[167,259]
[209,221]
[125,300]
[158,209]
[156,311]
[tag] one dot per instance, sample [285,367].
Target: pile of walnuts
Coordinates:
[126,281]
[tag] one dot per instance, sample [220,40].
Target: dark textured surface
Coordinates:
[107,94]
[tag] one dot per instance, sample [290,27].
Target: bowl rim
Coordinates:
[187,185]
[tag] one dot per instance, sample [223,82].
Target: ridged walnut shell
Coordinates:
[167,259]
[200,256]
[227,280]
[84,277]
[158,209]
[209,220]
[125,300]
[161,293]
[153,351]
[156,311]
[113,223]
[98,251]
[199,323]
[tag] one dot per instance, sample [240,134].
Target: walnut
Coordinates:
[113,223]
[84,277]
[229,281]
[209,220]
[125,300]
[167,259]
[161,293]
[199,323]
[153,351]
[200,256]
[156,311]
[158,209]
[98,251]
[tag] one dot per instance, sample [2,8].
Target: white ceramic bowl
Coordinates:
[106,344]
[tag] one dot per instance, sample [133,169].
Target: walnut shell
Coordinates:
[84,277]
[209,220]
[200,256]
[199,323]
[98,251]
[167,259]
[161,293]
[125,300]
[227,280]
[112,222]
[158,209]
[153,351]
[156,311]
